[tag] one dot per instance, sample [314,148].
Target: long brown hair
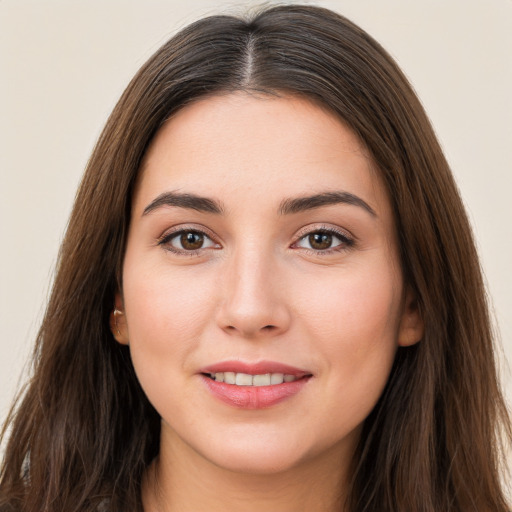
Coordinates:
[84,432]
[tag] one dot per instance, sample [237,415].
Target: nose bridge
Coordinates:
[252,302]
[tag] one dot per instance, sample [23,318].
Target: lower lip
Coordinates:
[254,397]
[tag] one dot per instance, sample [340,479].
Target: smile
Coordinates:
[245,379]
[254,385]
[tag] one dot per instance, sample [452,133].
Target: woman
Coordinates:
[268,294]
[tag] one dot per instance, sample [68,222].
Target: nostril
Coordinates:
[266,328]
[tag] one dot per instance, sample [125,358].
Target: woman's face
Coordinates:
[262,253]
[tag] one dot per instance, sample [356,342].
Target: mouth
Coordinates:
[254,386]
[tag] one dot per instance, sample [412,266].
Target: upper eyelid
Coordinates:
[336,230]
[180,228]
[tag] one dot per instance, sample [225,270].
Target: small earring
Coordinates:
[117,312]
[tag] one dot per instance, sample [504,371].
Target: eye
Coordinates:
[324,240]
[187,240]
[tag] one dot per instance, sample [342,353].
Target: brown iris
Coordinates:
[191,240]
[320,241]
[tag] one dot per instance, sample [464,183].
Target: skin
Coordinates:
[258,289]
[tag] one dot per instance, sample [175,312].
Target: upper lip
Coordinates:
[257,368]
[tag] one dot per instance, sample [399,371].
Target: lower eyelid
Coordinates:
[342,245]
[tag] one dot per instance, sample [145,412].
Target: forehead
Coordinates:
[264,147]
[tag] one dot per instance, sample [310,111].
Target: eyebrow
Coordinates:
[288,206]
[190,201]
[301,204]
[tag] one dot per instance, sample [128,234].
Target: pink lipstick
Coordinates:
[253,386]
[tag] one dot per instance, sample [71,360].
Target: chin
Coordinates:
[262,454]
[261,462]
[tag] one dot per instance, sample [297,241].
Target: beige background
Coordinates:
[64,63]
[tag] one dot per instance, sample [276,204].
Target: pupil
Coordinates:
[320,240]
[191,240]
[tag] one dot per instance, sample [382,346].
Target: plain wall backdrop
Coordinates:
[63,65]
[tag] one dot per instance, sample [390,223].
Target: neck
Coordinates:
[180,479]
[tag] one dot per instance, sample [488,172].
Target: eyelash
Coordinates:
[166,239]
[346,242]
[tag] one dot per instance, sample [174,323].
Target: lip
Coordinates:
[254,397]
[257,368]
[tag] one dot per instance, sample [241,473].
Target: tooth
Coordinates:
[276,378]
[261,380]
[229,377]
[243,379]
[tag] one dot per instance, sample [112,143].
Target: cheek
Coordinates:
[351,305]
[160,301]
[166,314]
[353,321]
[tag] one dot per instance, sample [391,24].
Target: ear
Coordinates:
[411,328]
[118,325]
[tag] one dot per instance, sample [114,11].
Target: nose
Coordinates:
[253,303]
